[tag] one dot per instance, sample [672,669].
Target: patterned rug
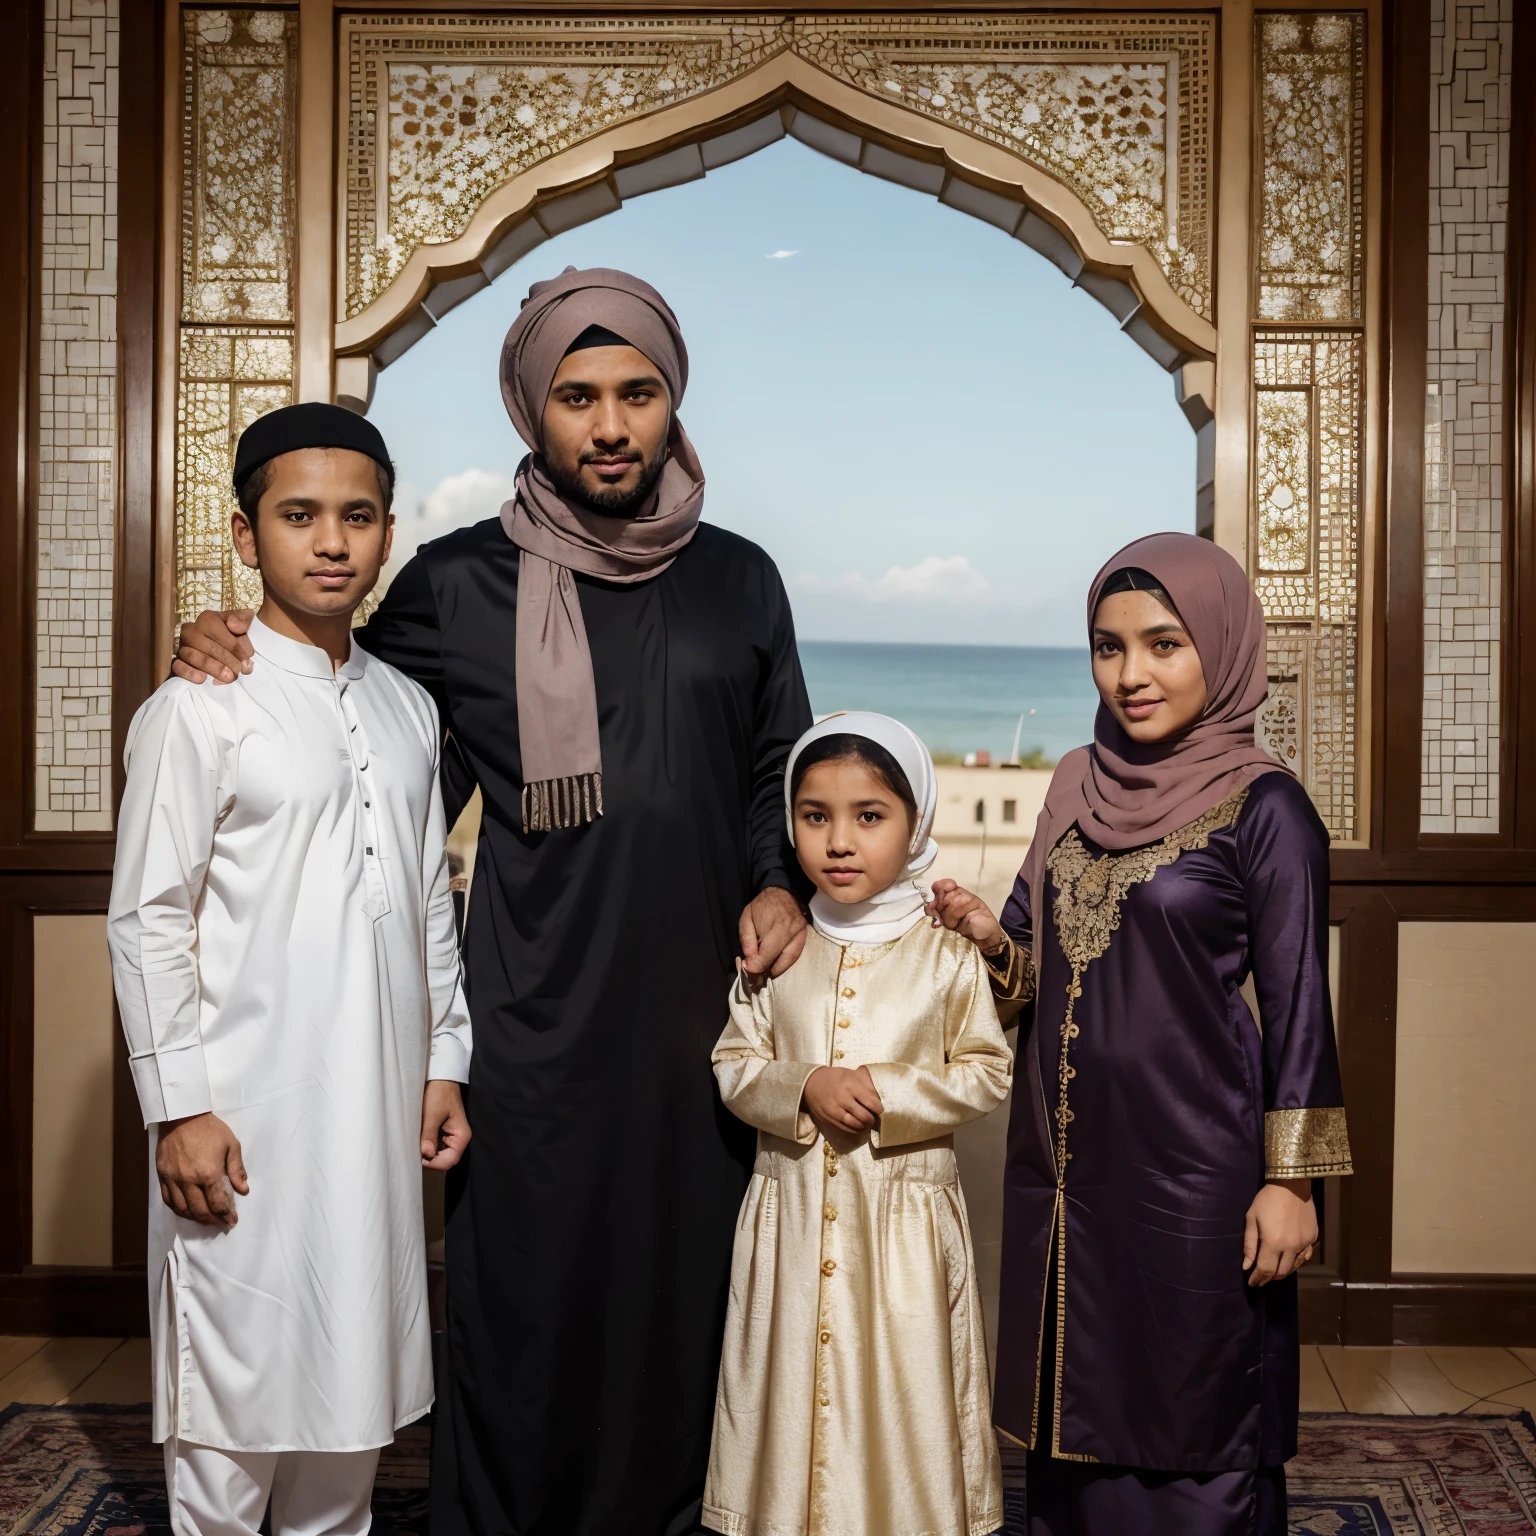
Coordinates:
[93,1471]
[85,1471]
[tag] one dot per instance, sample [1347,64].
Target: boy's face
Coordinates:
[321,533]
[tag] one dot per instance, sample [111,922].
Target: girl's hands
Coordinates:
[842,1102]
[1281,1230]
[955,908]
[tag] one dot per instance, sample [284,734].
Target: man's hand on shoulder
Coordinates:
[772,933]
[215,645]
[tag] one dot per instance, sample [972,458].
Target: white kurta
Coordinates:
[284,955]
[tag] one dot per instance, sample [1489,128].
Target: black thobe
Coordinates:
[589,1227]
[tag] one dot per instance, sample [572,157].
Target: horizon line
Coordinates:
[971,645]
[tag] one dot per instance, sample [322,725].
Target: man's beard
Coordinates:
[611,501]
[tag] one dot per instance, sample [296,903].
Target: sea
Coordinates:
[961,698]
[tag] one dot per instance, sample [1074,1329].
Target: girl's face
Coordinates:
[851,833]
[1146,667]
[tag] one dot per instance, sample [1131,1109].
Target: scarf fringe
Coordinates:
[554,804]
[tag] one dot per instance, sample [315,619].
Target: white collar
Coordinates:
[303,659]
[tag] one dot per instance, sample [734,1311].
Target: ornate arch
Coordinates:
[469,140]
[464,140]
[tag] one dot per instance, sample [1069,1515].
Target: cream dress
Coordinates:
[854,1393]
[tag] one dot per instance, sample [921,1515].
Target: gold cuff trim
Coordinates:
[1306,1143]
[1012,972]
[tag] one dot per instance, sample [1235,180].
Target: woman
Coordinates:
[1161,1148]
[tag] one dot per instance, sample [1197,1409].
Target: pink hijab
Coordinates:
[556,536]
[1121,794]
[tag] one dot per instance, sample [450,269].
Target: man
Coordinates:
[287,973]
[621,682]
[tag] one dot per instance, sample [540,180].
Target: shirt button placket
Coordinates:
[358,752]
[828,1272]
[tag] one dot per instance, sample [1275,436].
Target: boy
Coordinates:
[286,969]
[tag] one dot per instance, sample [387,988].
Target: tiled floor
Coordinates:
[1401,1380]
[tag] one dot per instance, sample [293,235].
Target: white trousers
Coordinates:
[225,1493]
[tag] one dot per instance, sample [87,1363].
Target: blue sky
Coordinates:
[934,435]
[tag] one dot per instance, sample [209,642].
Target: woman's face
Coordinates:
[1146,667]
[851,833]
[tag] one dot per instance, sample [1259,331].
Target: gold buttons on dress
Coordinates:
[849,992]
[826,1402]
[830,1213]
[828,1265]
[843,1023]
[825,1336]
[837,1055]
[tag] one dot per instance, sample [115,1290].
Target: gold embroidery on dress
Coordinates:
[1306,1143]
[1090,890]
[1012,970]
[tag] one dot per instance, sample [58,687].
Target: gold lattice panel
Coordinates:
[235,338]
[229,377]
[442,110]
[240,95]
[1307,499]
[1311,70]
[1306,542]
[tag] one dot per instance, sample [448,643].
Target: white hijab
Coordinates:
[899,906]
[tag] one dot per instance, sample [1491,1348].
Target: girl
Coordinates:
[853,1385]
[1160,1152]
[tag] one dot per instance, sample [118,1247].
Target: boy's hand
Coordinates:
[200,1169]
[214,645]
[444,1125]
[1281,1230]
[955,908]
[842,1101]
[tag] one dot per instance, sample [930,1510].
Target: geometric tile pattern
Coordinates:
[1464,451]
[240,90]
[77,418]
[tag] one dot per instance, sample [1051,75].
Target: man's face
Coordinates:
[321,533]
[605,427]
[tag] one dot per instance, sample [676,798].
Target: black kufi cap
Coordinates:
[310,425]
[597,336]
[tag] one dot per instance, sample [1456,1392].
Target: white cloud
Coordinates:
[454,502]
[937,579]
[468,497]
[780,255]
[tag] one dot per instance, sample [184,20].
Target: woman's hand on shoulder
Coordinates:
[955,908]
[1281,1230]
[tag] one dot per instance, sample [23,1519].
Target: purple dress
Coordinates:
[1156,1389]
